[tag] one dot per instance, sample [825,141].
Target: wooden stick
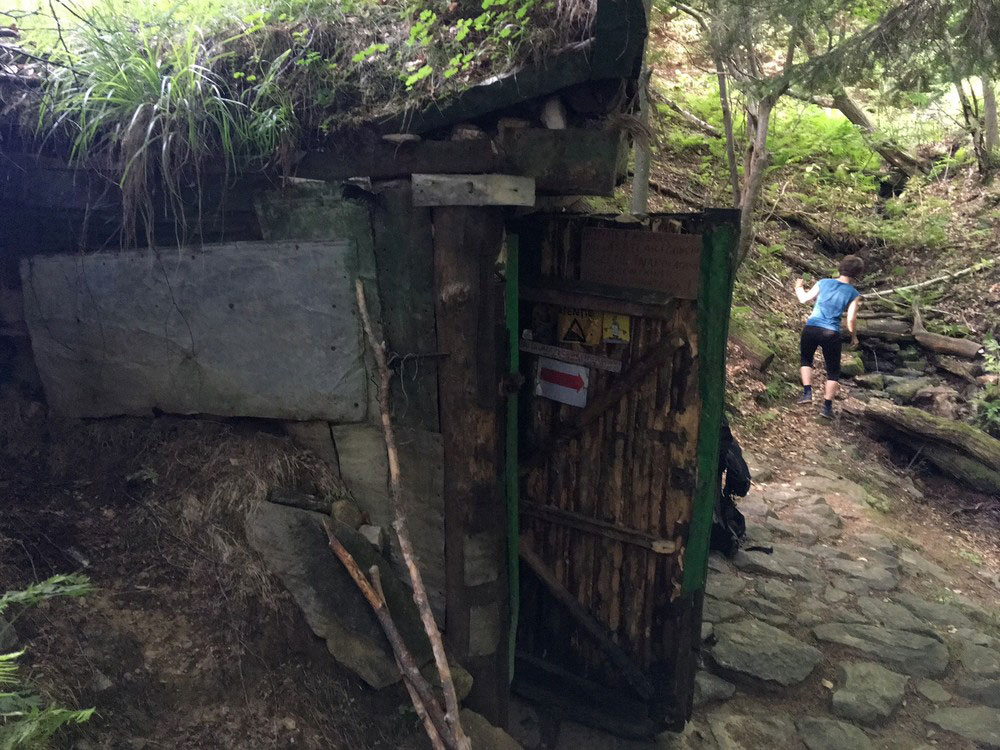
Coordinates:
[983,264]
[418,704]
[642,684]
[404,659]
[402,532]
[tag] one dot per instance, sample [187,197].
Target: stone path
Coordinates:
[834,641]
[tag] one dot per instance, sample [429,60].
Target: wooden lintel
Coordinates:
[369,156]
[473,190]
[601,528]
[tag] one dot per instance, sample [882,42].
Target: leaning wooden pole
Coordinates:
[402,530]
[424,702]
[424,707]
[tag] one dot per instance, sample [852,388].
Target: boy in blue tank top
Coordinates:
[822,329]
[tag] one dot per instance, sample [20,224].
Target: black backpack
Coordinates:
[728,525]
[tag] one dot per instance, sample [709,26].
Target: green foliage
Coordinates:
[988,402]
[26,723]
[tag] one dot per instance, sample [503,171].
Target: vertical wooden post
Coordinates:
[467,241]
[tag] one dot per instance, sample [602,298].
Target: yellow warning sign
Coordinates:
[579,327]
[616,328]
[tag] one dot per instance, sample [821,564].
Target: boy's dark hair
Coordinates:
[852,266]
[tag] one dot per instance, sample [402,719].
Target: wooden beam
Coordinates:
[635,676]
[367,155]
[600,528]
[473,190]
[466,244]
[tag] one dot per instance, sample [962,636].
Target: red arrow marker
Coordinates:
[564,379]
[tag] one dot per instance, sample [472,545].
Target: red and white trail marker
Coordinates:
[562,382]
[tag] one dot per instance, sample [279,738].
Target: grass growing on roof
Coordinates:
[155,91]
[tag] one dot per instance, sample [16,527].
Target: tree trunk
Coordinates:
[992,124]
[884,147]
[755,165]
[973,125]
[727,116]
[639,205]
[943,344]
[955,448]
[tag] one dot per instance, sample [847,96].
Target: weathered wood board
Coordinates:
[247,329]
[473,190]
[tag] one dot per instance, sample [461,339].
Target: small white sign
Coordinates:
[562,382]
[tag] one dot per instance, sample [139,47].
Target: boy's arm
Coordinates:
[802,294]
[852,321]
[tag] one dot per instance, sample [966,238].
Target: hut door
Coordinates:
[623,333]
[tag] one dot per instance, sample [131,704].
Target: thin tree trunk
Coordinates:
[992,124]
[884,147]
[755,166]
[973,124]
[727,123]
[639,205]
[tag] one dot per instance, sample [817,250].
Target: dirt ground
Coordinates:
[186,642]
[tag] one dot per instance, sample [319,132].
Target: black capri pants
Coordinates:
[814,337]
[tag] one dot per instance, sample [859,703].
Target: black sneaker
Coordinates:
[804,400]
[826,413]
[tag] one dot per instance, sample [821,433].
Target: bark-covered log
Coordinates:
[750,344]
[957,449]
[968,371]
[943,344]
[947,345]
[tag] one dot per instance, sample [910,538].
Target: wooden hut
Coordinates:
[558,379]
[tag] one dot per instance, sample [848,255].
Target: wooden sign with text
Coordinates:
[638,259]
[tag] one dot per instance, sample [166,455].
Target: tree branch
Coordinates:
[402,530]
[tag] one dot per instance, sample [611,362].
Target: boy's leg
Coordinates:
[807,350]
[831,356]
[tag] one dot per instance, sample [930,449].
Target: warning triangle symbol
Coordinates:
[575,333]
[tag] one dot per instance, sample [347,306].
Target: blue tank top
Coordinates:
[834,297]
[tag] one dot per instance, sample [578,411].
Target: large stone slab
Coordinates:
[294,547]
[260,329]
[830,734]
[869,693]
[891,615]
[757,650]
[365,471]
[979,724]
[869,574]
[936,613]
[742,732]
[986,692]
[912,653]
[980,661]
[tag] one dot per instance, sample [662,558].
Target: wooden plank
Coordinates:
[639,681]
[467,240]
[660,261]
[638,303]
[473,190]
[600,528]
[570,355]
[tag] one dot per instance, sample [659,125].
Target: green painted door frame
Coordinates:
[714,299]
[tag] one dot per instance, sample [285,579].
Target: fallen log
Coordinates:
[943,344]
[967,371]
[955,448]
[759,354]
